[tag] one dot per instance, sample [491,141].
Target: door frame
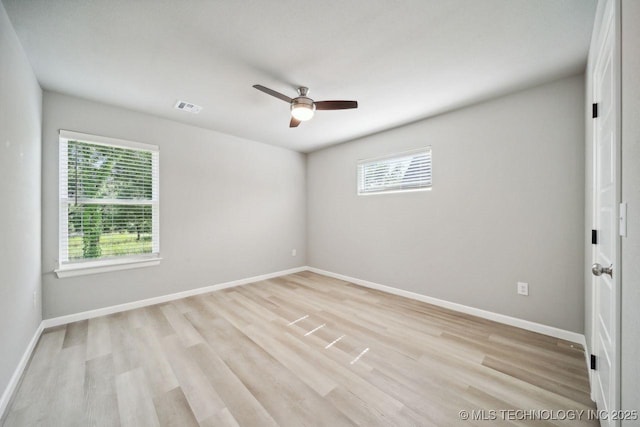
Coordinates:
[603,16]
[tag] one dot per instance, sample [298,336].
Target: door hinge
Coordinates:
[623,219]
[593,362]
[594,237]
[594,110]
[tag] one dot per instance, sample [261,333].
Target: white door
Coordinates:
[606,268]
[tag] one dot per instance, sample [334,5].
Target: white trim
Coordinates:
[408,190]
[105,140]
[17,374]
[63,320]
[496,317]
[70,269]
[93,267]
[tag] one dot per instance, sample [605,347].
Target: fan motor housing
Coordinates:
[302,101]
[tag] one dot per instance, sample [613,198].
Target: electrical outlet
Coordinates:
[294,252]
[523,288]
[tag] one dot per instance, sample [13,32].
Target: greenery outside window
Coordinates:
[109,204]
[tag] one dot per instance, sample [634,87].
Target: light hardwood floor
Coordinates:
[299,350]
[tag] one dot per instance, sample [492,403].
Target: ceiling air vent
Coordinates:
[188,107]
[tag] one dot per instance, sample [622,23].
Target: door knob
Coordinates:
[597,270]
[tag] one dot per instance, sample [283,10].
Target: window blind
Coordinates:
[109,198]
[406,171]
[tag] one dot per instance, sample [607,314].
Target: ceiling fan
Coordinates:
[303,107]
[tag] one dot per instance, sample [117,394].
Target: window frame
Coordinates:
[67,268]
[361,163]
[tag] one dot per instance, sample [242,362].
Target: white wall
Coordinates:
[507,205]
[20,120]
[630,278]
[229,208]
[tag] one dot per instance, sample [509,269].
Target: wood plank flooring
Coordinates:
[299,350]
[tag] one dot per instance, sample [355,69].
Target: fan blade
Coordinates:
[294,122]
[273,93]
[335,105]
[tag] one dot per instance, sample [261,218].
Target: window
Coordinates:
[109,204]
[408,171]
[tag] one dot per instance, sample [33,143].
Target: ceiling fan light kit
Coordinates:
[303,107]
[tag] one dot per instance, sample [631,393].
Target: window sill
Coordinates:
[405,190]
[94,267]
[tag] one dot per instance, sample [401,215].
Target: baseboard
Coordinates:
[489,315]
[17,374]
[63,320]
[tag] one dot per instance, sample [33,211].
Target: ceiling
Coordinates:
[402,60]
